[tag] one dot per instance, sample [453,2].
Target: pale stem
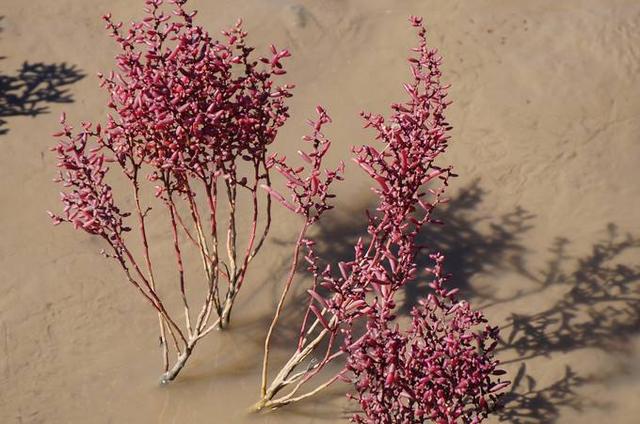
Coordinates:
[285,400]
[176,246]
[231,254]
[239,278]
[143,231]
[171,374]
[281,380]
[267,225]
[276,316]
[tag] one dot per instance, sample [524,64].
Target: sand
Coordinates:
[542,230]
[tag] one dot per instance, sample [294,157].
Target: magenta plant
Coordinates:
[438,370]
[309,198]
[432,371]
[191,117]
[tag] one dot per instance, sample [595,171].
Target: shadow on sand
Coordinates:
[30,90]
[600,309]
[33,87]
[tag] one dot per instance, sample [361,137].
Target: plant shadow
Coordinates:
[525,403]
[33,87]
[599,308]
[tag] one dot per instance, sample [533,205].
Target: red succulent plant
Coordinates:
[190,116]
[432,370]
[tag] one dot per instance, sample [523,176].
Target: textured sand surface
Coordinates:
[543,229]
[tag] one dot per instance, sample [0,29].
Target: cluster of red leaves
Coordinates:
[310,194]
[186,111]
[89,205]
[414,137]
[412,140]
[405,174]
[438,370]
[188,103]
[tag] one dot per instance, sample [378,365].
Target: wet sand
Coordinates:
[542,230]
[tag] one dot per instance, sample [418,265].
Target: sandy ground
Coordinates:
[543,229]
